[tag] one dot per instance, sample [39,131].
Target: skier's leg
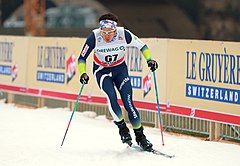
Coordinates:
[124,86]
[106,85]
[115,110]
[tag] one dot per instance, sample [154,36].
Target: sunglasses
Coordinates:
[108,32]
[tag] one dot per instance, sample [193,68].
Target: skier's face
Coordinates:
[108,34]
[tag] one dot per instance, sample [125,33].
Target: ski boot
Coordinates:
[124,132]
[141,140]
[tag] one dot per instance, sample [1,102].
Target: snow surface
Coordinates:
[32,137]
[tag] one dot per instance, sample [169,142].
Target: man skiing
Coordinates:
[109,42]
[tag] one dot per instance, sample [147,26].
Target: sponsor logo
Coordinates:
[123,82]
[147,84]
[6,50]
[131,106]
[133,59]
[213,93]
[136,81]
[120,38]
[6,56]
[5,70]
[71,67]
[217,69]
[50,77]
[14,72]
[84,51]
[52,58]
[105,50]
[99,39]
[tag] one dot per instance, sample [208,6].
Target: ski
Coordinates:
[157,152]
[153,151]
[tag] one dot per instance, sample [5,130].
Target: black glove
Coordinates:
[84,78]
[152,64]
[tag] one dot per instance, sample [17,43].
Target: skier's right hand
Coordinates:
[84,78]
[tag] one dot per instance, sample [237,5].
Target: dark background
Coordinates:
[183,19]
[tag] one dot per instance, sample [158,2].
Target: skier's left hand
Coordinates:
[152,64]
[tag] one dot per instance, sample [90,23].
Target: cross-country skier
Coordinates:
[109,42]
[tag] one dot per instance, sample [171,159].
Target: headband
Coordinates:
[108,24]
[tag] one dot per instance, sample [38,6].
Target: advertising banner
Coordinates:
[53,68]
[52,63]
[200,79]
[13,60]
[204,74]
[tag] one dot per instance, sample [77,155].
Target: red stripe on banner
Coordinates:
[97,99]
[205,114]
[59,95]
[12,88]
[227,118]
[73,97]
[33,91]
[179,110]
[149,106]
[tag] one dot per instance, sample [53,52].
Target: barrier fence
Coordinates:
[172,123]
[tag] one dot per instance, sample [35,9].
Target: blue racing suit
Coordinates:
[110,69]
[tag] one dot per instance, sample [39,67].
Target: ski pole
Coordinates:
[74,109]
[159,116]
